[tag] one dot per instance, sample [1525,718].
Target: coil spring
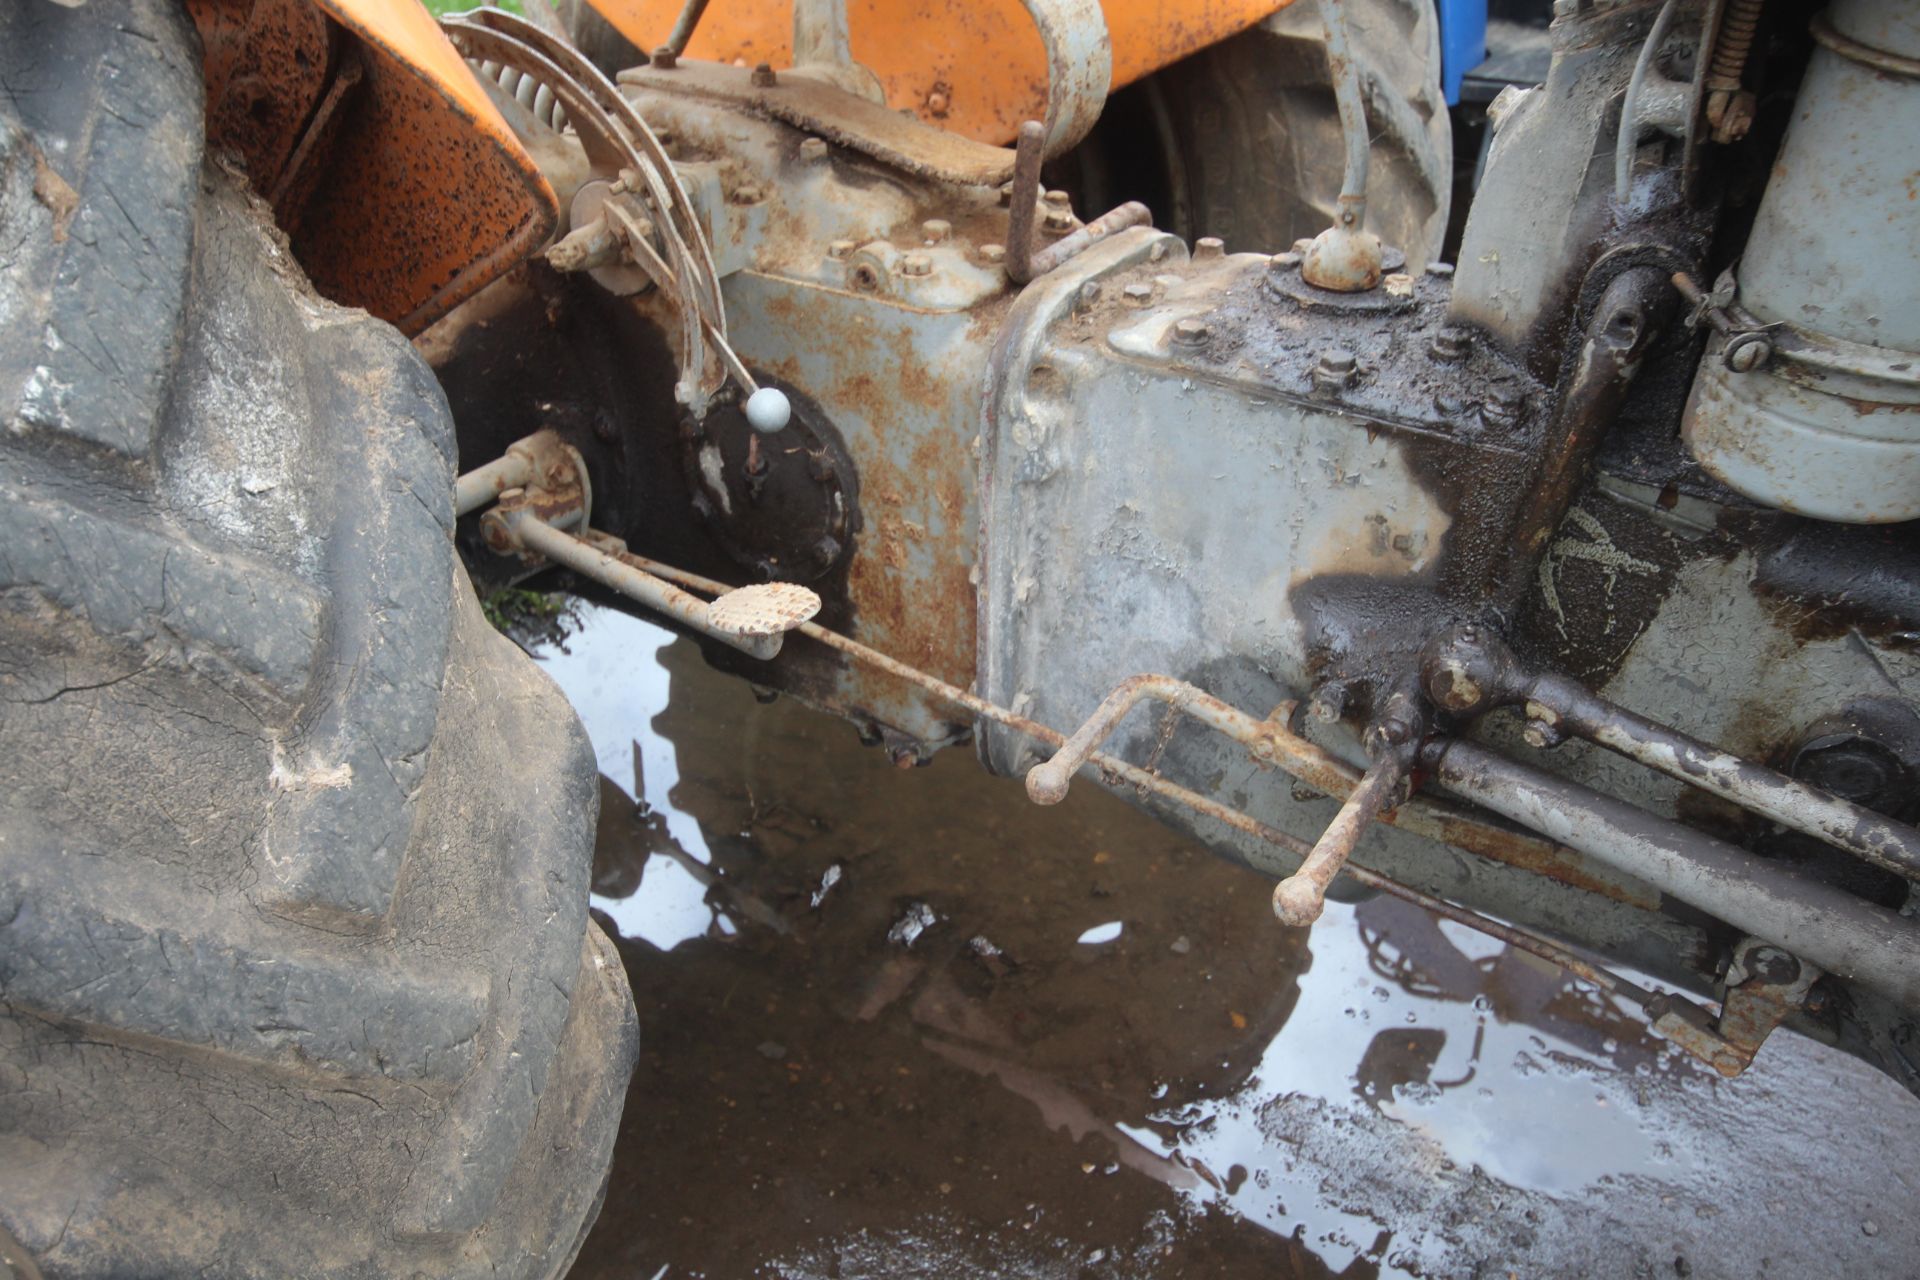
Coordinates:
[527,91]
[1733,44]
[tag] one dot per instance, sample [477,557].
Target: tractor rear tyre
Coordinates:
[296,972]
[1242,139]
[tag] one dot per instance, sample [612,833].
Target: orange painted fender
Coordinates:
[400,186]
[974,67]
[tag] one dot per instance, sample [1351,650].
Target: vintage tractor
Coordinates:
[1096,387]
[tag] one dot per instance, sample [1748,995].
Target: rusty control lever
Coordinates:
[1026,263]
[1299,899]
[1392,740]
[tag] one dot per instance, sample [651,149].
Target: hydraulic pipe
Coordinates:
[1842,934]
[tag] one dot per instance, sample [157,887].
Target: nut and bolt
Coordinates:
[1452,343]
[813,150]
[1137,294]
[1398,284]
[1209,247]
[1746,352]
[1541,735]
[993,254]
[1854,767]
[1006,194]
[1773,966]
[1263,748]
[1190,332]
[1504,406]
[1440,270]
[1329,702]
[763,77]
[936,230]
[916,264]
[665,58]
[1057,221]
[1057,200]
[748,193]
[1336,371]
[839,249]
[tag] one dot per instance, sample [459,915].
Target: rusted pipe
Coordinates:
[1025,263]
[1120,218]
[1299,899]
[1028,148]
[1842,934]
[631,581]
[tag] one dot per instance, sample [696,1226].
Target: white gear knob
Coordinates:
[768,410]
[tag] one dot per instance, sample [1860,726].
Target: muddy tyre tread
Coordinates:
[296,974]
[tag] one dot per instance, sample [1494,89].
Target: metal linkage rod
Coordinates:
[1438,822]
[1272,741]
[483,484]
[1467,671]
[657,594]
[1300,898]
[1025,263]
[1842,934]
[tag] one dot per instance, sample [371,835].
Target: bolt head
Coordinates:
[1057,200]
[813,150]
[1451,343]
[665,58]
[840,248]
[916,264]
[1209,247]
[748,193]
[1057,220]
[1337,361]
[763,76]
[1086,296]
[936,230]
[1263,749]
[1747,352]
[1190,332]
[1773,966]
[993,254]
[1138,294]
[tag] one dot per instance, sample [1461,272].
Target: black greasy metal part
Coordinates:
[1626,318]
[784,506]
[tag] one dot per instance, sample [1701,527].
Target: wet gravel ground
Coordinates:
[906,1024]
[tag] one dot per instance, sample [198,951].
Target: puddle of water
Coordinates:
[907,1024]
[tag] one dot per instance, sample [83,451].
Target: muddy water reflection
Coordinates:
[907,1024]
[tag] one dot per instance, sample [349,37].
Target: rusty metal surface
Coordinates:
[837,116]
[974,67]
[399,185]
[267,64]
